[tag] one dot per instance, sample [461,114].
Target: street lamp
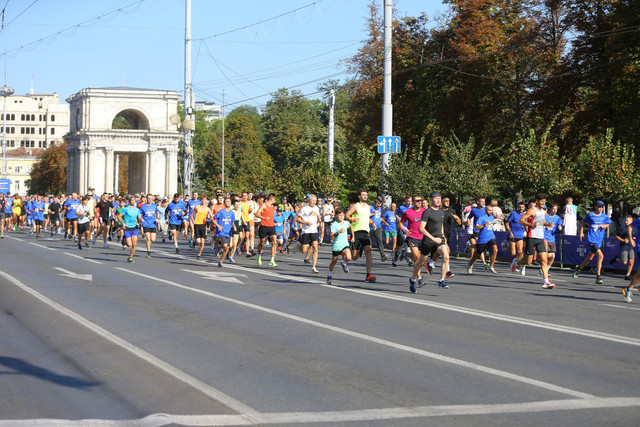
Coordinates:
[4,92]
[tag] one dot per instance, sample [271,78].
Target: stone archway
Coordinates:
[129,122]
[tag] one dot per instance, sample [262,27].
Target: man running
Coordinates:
[308,218]
[412,218]
[598,222]
[550,233]
[376,227]
[359,217]
[266,213]
[176,210]
[433,241]
[103,213]
[516,231]
[199,215]
[130,216]
[150,215]
[534,221]
[223,221]
[486,239]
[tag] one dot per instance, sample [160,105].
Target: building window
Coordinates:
[22,117]
[33,144]
[13,117]
[33,117]
[12,129]
[12,143]
[53,131]
[21,131]
[18,169]
[17,185]
[33,131]
[53,118]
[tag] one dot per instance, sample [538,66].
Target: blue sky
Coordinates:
[141,44]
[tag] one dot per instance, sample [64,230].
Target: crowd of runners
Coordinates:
[414,233]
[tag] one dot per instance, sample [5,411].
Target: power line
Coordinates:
[11,22]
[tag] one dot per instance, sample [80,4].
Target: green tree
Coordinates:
[533,165]
[49,173]
[408,175]
[608,170]
[464,168]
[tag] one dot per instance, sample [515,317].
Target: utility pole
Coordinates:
[331,102]
[387,107]
[223,119]
[187,124]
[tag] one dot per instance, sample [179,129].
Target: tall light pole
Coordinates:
[331,103]
[4,92]
[187,124]
[387,107]
[223,119]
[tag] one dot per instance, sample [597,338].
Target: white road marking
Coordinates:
[42,246]
[157,420]
[87,277]
[171,370]
[14,238]
[401,347]
[217,275]
[83,258]
[469,311]
[622,307]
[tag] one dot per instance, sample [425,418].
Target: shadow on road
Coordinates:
[16,366]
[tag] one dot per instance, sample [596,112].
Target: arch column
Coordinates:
[108,170]
[82,155]
[171,182]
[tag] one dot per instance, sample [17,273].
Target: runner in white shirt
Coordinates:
[309,217]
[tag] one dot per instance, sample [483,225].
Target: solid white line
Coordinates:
[15,238]
[42,246]
[469,311]
[401,347]
[157,420]
[83,258]
[622,307]
[202,387]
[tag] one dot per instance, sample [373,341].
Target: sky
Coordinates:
[248,48]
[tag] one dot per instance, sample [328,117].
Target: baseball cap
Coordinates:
[435,194]
[599,203]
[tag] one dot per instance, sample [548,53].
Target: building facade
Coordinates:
[32,123]
[109,123]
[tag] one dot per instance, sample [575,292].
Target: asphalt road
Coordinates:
[88,339]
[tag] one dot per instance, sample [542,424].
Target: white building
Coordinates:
[33,123]
[211,110]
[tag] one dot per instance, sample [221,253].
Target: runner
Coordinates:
[71,227]
[328,215]
[130,216]
[598,222]
[199,215]
[390,220]
[265,214]
[431,227]
[191,203]
[375,211]
[37,209]
[450,220]
[162,221]
[103,214]
[223,221]
[248,225]
[309,217]
[359,217]
[150,216]
[412,218]
[339,243]
[83,222]
[476,213]
[8,214]
[550,234]
[175,211]
[534,221]
[486,239]
[516,231]
[627,256]
[3,204]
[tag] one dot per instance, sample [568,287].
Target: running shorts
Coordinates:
[361,240]
[200,231]
[535,245]
[265,231]
[149,229]
[308,238]
[481,247]
[337,253]
[130,232]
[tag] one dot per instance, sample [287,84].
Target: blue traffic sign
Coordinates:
[389,144]
[5,186]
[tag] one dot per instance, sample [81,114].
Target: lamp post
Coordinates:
[4,92]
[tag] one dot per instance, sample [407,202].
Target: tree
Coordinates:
[407,175]
[608,170]
[533,165]
[464,168]
[49,173]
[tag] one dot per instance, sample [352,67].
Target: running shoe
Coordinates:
[493,270]
[177,250]
[548,285]
[93,240]
[129,260]
[429,268]
[198,258]
[231,260]
[576,272]
[442,284]
[486,265]
[86,245]
[220,264]
[393,263]
[514,265]
[420,282]
[449,274]
[412,285]
[272,263]
[627,277]
[345,267]
[315,270]
[470,268]
[79,245]
[148,254]
[626,293]
[409,263]
[523,270]
[370,278]
[259,260]
[328,280]
[306,261]
[106,245]
[384,258]
[599,280]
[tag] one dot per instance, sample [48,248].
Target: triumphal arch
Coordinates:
[114,126]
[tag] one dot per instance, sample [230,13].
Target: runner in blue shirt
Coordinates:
[390,230]
[29,210]
[375,229]
[473,217]
[175,211]
[37,208]
[150,216]
[516,231]
[191,204]
[279,220]
[8,214]
[223,221]
[633,230]
[550,233]
[597,222]
[71,226]
[130,216]
[486,239]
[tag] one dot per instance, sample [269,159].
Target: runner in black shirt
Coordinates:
[54,216]
[103,213]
